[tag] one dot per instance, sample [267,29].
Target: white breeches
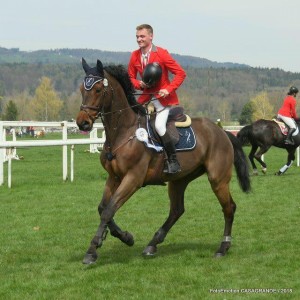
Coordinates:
[162,113]
[288,121]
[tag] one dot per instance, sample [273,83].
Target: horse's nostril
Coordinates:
[84,126]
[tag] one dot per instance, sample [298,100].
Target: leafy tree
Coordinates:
[224,111]
[11,111]
[72,105]
[246,114]
[1,106]
[262,109]
[22,101]
[46,104]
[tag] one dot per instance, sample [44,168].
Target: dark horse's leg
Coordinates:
[176,194]
[291,157]
[251,158]
[263,149]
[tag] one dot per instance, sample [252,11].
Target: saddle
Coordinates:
[283,127]
[176,119]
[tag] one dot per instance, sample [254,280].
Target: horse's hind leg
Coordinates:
[258,155]
[251,158]
[176,195]
[222,192]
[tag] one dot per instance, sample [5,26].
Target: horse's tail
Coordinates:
[245,134]
[240,163]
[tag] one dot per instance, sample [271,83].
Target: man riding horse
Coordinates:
[287,113]
[153,64]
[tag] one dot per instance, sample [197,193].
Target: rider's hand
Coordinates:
[163,93]
[143,85]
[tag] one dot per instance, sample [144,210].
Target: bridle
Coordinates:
[89,82]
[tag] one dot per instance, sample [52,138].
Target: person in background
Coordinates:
[155,79]
[287,113]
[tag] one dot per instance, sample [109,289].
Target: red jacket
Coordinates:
[167,63]
[288,109]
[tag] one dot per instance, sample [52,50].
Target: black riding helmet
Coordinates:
[293,90]
[152,74]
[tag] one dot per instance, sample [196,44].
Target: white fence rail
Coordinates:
[8,148]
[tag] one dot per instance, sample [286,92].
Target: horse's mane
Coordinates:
[120,73]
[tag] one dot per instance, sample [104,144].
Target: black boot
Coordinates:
[288,139]
[172,165]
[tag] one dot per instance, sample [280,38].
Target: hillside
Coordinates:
[211,89]
[69,56]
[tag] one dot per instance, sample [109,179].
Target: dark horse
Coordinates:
[263,134]
[107,93]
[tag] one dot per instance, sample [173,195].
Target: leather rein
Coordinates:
[110,155]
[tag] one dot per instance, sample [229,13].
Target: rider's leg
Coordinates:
[172,164]
[292,128]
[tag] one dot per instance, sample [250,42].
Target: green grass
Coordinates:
[47,224]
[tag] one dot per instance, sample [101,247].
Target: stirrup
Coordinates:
[172,167]
[289,142]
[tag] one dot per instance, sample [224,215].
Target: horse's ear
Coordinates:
[85,66]
[100,68]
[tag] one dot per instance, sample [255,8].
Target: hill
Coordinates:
[69,56]
[211,89]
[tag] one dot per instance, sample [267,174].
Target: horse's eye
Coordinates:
[98,91]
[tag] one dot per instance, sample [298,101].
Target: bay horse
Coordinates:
[108,93]
[262,134]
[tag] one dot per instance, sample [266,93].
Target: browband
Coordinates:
[90,81]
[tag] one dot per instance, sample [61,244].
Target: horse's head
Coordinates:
[93,91]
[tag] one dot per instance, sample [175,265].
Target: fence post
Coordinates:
[9,154]
[65,150]
[94,147]
[72,163]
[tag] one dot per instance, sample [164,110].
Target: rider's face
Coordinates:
[144,38]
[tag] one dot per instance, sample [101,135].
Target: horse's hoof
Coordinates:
[255,173]
[128,240]
[219,254]
[264,170]
[223,249]
[278,173]
[149,251]
[89,258]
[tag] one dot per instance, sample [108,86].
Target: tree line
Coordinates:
[38,91]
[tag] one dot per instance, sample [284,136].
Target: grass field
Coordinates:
[47,224]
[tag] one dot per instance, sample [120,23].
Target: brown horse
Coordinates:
[107,93]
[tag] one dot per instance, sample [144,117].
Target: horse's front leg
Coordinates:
[123,192]
[111,186]
[291,158]
[124,236]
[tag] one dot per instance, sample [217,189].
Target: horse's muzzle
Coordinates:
[83,122]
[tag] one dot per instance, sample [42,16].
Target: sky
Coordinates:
[259,33]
